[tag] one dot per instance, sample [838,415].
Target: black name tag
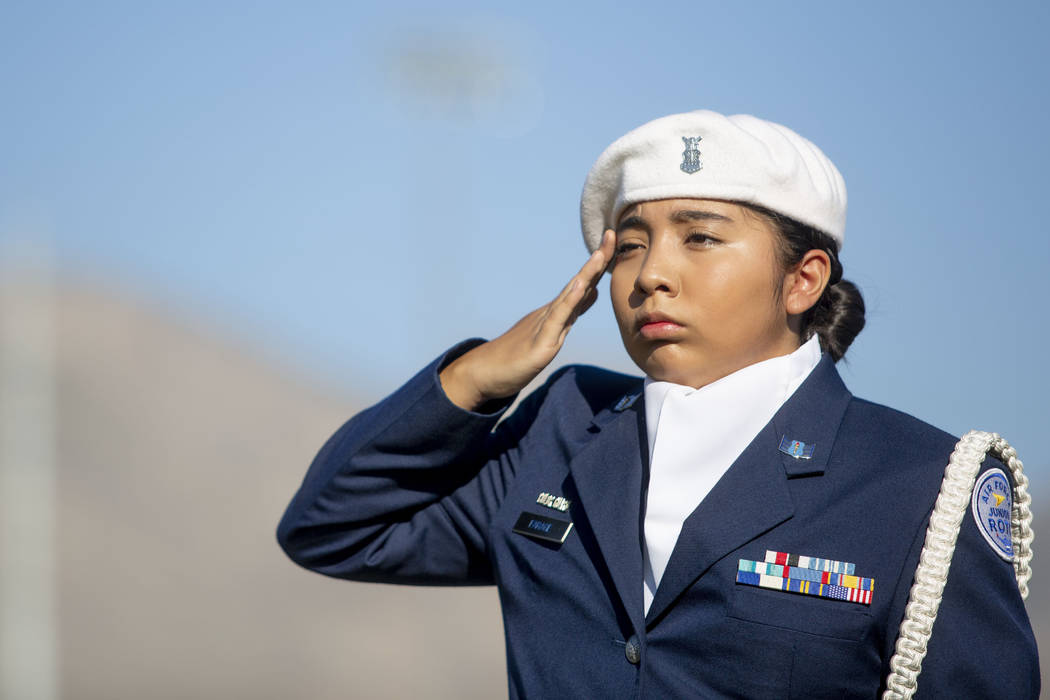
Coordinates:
[542,527]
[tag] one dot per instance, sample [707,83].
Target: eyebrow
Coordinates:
[680,216]
[683,216]
[632,222]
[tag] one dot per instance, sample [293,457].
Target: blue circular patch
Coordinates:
[992,505]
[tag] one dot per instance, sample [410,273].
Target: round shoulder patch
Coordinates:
[992,504]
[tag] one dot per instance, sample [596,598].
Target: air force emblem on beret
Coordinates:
[691,155]
[992,504]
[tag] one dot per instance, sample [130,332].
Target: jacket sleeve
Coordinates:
[403,492]
[982,644]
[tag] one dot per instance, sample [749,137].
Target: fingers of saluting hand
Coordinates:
[505,365]
[580,293]
[589,297]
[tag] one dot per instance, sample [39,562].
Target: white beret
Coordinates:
[707,155]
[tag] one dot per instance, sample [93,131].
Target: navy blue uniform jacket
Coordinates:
[416,490]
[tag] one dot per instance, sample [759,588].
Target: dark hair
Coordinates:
[838,316]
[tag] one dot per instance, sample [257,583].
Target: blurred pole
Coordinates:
[28,638]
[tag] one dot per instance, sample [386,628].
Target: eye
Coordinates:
[701,239]
[623,249]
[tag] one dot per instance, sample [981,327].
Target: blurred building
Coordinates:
[175,454]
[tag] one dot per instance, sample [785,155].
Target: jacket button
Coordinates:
[633,650]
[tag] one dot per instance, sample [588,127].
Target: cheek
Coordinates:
[743,289]
[725,284]
[619,295]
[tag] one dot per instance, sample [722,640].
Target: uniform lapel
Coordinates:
[607,473]
[752,496]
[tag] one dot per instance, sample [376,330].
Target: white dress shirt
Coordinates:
[696,434]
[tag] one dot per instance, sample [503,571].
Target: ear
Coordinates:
[805,282]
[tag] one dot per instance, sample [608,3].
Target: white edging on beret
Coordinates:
[740,158]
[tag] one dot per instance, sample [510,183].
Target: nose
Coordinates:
[658,271]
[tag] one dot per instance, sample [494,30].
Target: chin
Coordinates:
[663,373]
[663,364]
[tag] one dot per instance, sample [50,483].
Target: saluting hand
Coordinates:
[503,366]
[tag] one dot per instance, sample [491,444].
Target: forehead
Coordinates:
[686,210]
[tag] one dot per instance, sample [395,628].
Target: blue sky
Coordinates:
[353,188]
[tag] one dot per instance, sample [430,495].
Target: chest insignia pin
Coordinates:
[626,402]
[552,501]
[796,448]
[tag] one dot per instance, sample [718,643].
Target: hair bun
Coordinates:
[838,317]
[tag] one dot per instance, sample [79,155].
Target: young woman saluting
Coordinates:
[735,524]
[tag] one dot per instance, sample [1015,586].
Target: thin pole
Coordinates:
[28,638]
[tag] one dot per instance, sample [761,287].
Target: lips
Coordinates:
[656,326]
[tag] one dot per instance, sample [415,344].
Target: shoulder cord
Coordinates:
[952,503]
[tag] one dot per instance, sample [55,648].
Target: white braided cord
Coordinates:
[945,521]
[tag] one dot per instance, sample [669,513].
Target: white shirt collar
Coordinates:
[777,377]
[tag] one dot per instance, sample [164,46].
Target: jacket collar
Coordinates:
[609,474]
